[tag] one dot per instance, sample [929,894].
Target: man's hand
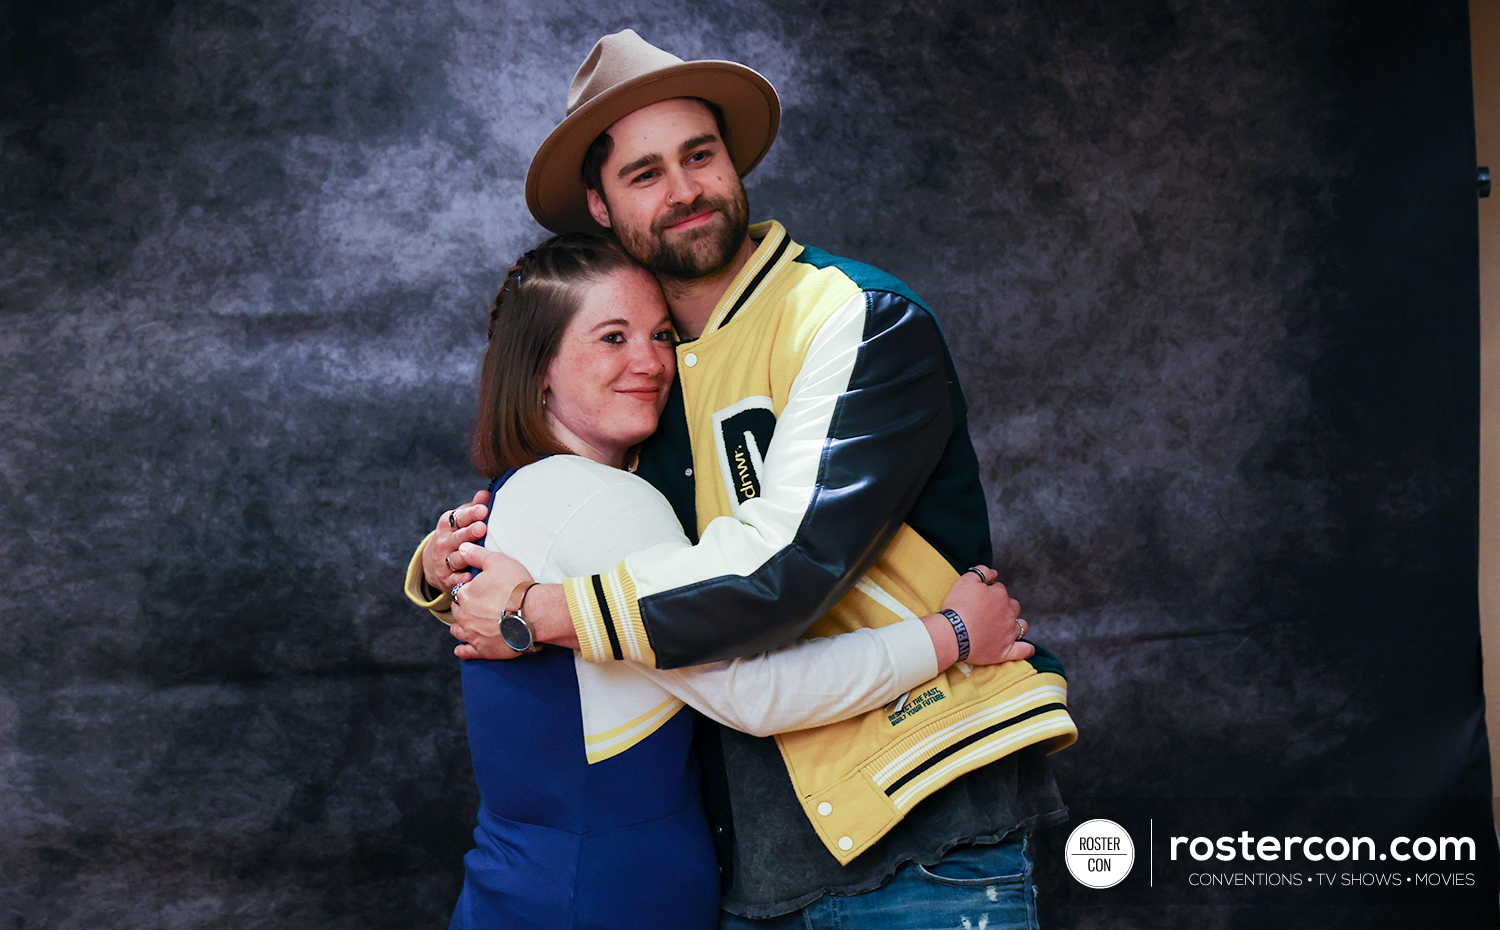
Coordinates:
[443,566]
[991,615]
[478,604]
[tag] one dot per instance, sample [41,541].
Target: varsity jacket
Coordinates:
[835,488]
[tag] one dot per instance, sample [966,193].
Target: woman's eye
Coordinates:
[613,338]
[663,336]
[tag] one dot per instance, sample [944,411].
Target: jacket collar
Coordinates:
[775,250]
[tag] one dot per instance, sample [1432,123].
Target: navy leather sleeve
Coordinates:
[891,433]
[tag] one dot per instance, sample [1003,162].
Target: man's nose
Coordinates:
[682,187]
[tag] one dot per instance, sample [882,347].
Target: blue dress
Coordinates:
[622,844]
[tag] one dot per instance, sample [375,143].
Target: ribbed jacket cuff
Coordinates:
[417,591]
[607,618]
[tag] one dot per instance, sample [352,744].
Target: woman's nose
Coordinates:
[649,361]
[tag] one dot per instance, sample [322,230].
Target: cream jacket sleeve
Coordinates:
[567,516]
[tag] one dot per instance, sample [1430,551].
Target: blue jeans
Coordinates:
[972,887]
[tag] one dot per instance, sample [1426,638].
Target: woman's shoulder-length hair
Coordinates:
[540,295]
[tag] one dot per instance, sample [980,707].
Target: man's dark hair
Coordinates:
[599,149]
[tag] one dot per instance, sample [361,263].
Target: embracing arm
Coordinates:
[811,683]
[824,680]
[869,416]
[437,565]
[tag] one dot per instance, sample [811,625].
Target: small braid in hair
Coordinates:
[507,288]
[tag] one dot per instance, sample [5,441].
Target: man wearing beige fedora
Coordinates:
[816,446]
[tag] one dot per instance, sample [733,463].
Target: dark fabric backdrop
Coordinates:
[1209,271]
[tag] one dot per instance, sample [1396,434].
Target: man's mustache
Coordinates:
[683,211]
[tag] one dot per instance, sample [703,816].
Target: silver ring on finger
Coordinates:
[452,524]
[1021,627]
[977,573]
[455,590]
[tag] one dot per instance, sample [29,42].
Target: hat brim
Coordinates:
[752,114]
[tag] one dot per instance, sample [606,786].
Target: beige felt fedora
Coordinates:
[622,74]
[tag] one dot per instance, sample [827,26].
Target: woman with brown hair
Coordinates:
[586,775]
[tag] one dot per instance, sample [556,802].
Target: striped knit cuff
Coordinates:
[607,618]
[417,591]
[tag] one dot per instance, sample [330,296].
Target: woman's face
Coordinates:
[607,385]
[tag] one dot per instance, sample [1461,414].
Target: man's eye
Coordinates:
[644,176]
[698,157]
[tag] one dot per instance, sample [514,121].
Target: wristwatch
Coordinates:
[514,628]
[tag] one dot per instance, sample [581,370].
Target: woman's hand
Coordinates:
[990,615]
[478,604]
[443,566]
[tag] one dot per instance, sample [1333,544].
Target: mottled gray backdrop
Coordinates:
[1208,270]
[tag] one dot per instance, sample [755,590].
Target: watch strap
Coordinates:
[518,597]
[513,614]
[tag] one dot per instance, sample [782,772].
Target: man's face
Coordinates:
[671,193]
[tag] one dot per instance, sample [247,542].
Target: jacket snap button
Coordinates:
[825,808]
[690,360]
[845,843]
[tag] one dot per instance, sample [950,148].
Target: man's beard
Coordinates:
[700,253]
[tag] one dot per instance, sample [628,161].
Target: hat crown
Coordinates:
[615,59]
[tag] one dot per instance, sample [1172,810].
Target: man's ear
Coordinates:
[598,208]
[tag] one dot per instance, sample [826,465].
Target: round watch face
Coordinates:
[515,632]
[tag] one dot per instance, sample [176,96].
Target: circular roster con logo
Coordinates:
[1099,853]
